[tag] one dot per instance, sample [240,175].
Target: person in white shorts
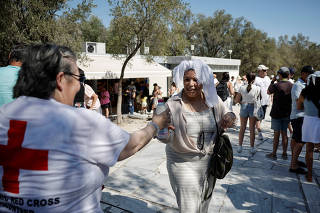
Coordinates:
[309,100]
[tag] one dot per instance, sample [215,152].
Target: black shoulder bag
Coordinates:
[222,158]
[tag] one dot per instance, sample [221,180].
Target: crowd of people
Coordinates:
[290,110]
[59,147]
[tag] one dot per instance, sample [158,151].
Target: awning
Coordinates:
[108,67]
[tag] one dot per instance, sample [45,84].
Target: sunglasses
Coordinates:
[81,78]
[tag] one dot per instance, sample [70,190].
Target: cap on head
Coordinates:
[262,67]
[307,69]
[284,71]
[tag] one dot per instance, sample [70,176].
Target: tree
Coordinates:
[298,52]
[312,56]
[35,21]
[212,35]
[134,23]
[93,30]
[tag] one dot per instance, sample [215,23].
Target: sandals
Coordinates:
[301,164]
[309,179]
[271,156]
[298,171]
[284,156]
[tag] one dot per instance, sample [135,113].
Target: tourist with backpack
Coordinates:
[225,90]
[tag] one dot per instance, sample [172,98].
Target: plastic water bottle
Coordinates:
[161,107]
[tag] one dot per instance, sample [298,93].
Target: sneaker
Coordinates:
[239,149]
[253,150]
[260,136]
[271,156]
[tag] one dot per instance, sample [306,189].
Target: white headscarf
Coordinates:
[313,77]
[204,76]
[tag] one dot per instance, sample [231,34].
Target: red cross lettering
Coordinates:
[14,157]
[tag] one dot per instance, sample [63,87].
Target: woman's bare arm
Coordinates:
[142,137]
[300,101]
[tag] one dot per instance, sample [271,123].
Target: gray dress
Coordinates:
[188,171]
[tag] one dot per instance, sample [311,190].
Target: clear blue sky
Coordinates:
[275,17]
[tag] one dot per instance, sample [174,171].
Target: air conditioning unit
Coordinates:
[94,48]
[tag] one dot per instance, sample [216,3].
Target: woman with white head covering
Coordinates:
[189,146]
[309,100]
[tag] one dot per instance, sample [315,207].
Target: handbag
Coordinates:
[258,112]
[222,158]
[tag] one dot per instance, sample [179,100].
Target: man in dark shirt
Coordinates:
[280,111]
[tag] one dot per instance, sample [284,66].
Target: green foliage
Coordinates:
[167,27]
[144,22]
[149,22]
[93,30]
[213,36]
[36,21]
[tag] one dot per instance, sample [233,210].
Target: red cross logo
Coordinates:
[14,157]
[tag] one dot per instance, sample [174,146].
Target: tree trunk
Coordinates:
[119,103]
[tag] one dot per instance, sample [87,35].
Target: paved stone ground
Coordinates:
[140,184]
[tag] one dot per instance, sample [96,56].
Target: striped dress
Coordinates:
[188,171]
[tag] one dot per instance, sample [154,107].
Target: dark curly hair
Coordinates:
[37,77]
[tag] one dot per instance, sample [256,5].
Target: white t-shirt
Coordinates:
[88,92]
[215,81]
[251,96]
[263,83]
[65,156]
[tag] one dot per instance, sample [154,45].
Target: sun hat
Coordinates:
[262,67]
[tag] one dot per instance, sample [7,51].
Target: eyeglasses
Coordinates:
[81,78]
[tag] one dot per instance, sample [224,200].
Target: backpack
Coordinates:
[222,90]
[222,157]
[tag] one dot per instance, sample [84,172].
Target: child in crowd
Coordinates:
[144,105]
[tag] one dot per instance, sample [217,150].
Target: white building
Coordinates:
[100,65]
[218,65]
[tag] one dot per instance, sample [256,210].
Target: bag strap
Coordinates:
[215,120]
[214,115]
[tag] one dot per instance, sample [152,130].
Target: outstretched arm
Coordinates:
[142,137]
